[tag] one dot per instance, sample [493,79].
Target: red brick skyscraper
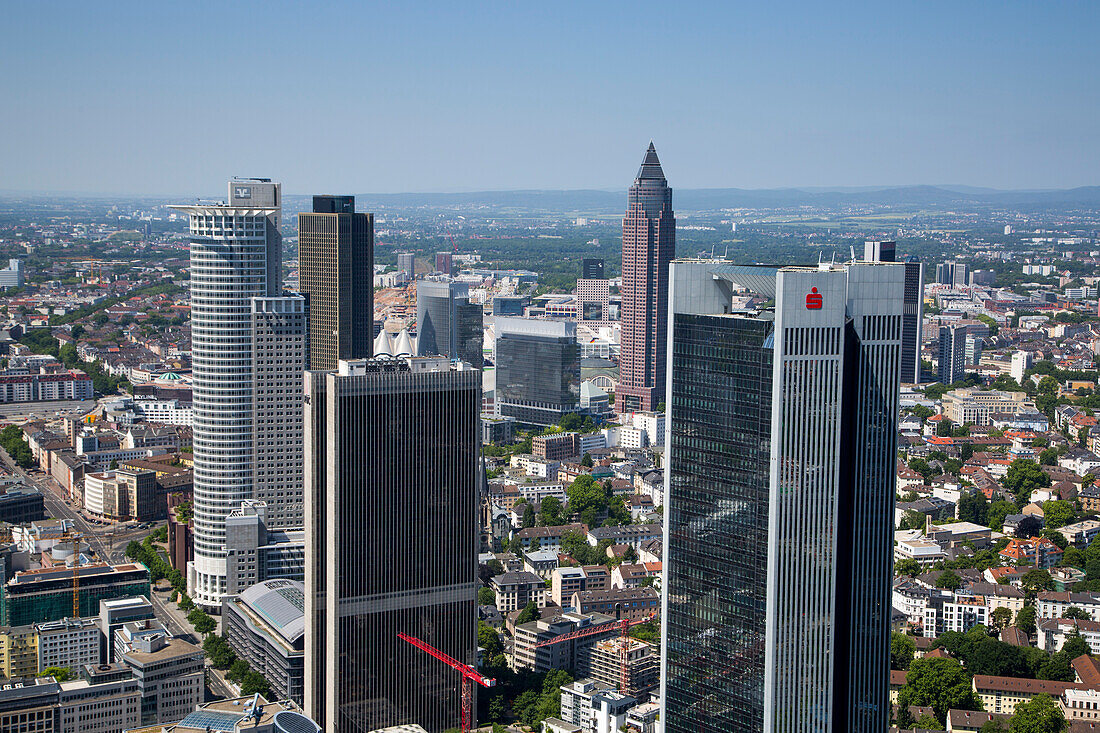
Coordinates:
[649,244]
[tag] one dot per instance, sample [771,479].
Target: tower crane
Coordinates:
[623,626]
[75,538]
[469,676]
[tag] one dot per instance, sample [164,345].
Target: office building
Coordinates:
[30,705]
[973,350]
[46,594]
[912,320]
[12,276]
[593,300]
[384,435]
[406,263]
[443,263]
[121,494]
[278,361]
[447,323]
[538,369]
[170,677]
[952,362]
[265,625]
[236,255]
[336,266]
[68,642]
[978,406]
[256,552]
[18,651]
[649,244]
[114,614]
[567,653]
[87,705]
[1021,362]
[509,305]
[953,274]
[777,596]
[592,268]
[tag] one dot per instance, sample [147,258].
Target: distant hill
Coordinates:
[720,198]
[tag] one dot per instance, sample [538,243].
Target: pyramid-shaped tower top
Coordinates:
[651,166]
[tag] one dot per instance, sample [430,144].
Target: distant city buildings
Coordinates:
[781,421]
[384,435]
[649,244]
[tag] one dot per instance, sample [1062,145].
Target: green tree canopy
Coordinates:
[902,650]
[948,580]
[1040,714]
[940,683]
[1023,478]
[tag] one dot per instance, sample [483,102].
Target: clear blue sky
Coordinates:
[172,98]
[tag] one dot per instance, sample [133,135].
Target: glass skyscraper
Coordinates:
[392,452]
[447,323]
[538,369]
[783,387]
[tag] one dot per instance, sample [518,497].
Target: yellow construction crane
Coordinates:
[75,537]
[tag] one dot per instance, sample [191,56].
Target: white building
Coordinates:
[12,276]
[236,254]
[102,707]
[70,642]
[170,676]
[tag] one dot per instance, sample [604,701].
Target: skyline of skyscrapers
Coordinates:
[386,436]
[649,244]
[336,274]
[780,421]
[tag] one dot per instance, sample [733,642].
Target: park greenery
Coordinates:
[13,442]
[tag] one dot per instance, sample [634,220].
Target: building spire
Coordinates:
[651,166]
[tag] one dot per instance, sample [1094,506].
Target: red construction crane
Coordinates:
[469,676]
[623,626]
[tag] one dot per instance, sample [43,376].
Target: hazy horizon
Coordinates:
[168,100]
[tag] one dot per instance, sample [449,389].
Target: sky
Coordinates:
[175,98]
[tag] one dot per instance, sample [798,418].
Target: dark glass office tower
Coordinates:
[447,323]
[912,320]
[782,442]
[387,437]
[336,274]
[592,268]
[952,361]
[538,369]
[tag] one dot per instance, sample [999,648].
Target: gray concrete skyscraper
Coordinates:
[952,356]
[392,451]
[782,434]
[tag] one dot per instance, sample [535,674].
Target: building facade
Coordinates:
[649,244]
[538,369]
[776,604]
[952,360]
[236,255]
[265,625]
[278,362]
[447,323]
[385,435]
[336,275]
[912,320]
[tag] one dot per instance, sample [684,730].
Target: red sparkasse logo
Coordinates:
[813,300]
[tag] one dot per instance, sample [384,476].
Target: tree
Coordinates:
[973,507]
[61,674]
[550,511]
[1075,646]
[218,651]
[1057,513]
[921,466]
[1073,557]
[1000,618]
[486,596]
[948,581]
[488,639]
[1025,619]
[994,725]
[238,670]
[1075,612]
[586,460]
[912,519]
[940,683]
[201,621]
[998,510]
[253,683]
[902,649]
[584,494]
[528,516]
[907,566]
[529,613]
[1023,478]
[1035,580]
[1040,714]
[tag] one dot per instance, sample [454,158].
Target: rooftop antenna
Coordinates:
[726,254]
[852,249]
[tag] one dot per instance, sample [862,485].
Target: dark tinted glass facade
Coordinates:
[718,524]
[538,378]
[336,274]
[447,323]
[402,465]
[592,268]
[911,322]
